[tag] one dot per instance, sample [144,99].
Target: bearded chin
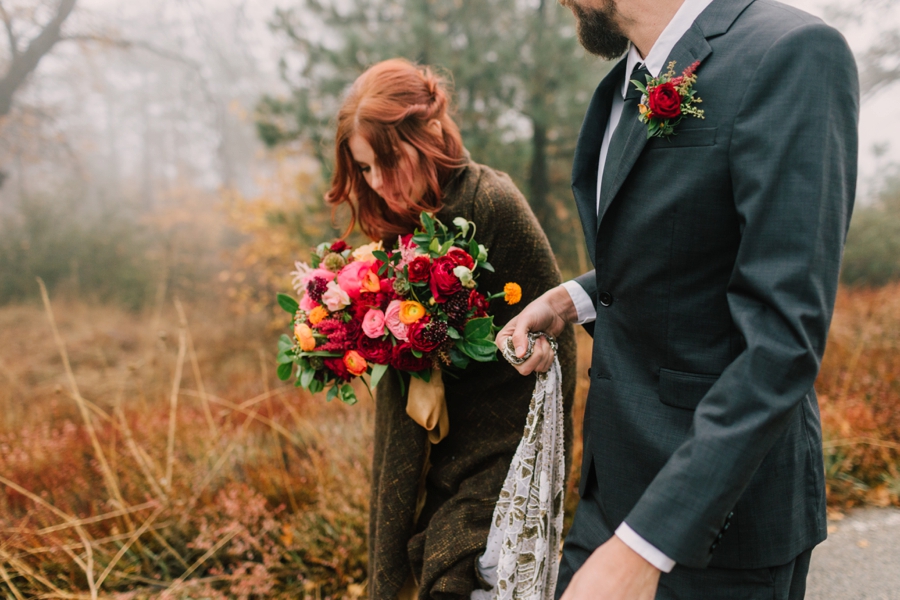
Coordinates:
[599,33]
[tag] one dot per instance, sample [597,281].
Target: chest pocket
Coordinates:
[685,138]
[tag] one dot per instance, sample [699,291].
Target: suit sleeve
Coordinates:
[793,157]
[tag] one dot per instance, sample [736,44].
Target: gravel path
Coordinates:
[860,560]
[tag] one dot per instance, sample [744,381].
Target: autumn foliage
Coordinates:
[173,464]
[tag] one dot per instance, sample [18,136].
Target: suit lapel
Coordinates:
[587,153]
[690,48]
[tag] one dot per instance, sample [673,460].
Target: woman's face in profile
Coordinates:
[368,164]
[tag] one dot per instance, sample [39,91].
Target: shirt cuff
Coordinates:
[584,306]
[647,551]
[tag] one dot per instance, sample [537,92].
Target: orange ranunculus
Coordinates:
[356,364]
[370,282]
[512,293]
[411,311]
[317,314]
[304,336]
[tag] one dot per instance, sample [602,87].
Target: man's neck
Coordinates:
[644,20]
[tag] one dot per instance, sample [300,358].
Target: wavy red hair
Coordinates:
[392,102]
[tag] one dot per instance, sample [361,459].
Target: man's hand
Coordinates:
[550,313]
[614,572]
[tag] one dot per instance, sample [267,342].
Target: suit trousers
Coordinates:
[590,529]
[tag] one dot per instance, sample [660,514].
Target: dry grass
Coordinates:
[167,461]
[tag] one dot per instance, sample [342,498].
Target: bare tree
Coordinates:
[23,61]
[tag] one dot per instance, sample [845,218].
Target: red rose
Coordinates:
[403,359]
[443,282]
[425,335]
[374,350]
[478,303]
[339,246]
[664,101]
[337,366]
[419,269]
[461,257]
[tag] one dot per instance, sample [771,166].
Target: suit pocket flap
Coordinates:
[701,136]
[683,390]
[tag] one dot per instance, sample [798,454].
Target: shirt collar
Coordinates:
[674,31]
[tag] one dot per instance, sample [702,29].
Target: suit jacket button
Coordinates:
[605,298]
[727,525]
[719,537]
[731,514]
[713,547]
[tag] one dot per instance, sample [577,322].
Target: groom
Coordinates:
[716,252]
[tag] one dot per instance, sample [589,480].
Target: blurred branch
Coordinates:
[22,64]
[881,64]
[11,34]
[130,45]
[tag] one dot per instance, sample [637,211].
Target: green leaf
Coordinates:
[487,266]
[378,372]
[473,249]
[435,246]
[284,371]
[479,329]
[335,389]
[381,255]
[453,334]
[306,376]
[402,382]
[428,223]
[446,246]
[287,303]
[316,386]
[416,353]
[383,269]
[424,375]
[348,396]
[459,359]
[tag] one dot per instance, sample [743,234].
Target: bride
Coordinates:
[398,152]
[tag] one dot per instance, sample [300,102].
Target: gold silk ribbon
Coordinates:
[427,406]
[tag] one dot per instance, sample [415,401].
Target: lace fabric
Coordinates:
[522,556]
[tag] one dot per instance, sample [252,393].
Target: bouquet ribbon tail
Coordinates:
[427,406]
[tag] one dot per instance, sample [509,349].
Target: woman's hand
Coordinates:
[550,313]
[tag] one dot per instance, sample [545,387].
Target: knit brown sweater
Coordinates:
[487,406]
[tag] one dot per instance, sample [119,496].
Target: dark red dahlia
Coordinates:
[375,350]
[339,246]
[403,359]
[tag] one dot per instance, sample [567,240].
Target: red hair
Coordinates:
[393,102]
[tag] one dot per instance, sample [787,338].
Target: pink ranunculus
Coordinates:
[393,323]
[350,278]
[335,298]
[373,323]
[307,303]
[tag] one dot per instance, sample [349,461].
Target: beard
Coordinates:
[599,31]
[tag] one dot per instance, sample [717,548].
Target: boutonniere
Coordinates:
[667,99]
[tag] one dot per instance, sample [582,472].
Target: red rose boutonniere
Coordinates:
[667,99]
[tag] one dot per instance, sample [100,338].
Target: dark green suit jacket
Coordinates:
[716,256]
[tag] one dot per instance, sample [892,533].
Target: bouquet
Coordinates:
[412,308]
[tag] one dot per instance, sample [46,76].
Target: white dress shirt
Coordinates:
[586,311]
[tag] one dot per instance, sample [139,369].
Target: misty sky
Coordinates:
[878,147]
